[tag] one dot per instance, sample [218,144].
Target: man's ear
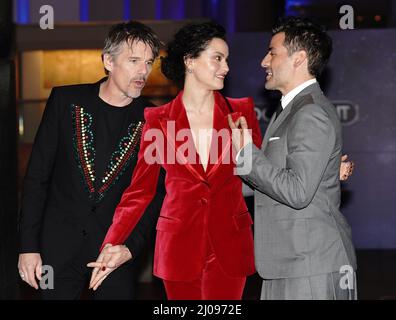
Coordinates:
[300,57]
[108,62]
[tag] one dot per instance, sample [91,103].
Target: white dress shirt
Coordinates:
[285,100]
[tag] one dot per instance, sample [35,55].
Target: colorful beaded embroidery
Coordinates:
[121,157]
[85,153]
[84,147]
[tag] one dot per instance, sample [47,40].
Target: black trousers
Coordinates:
[71,279]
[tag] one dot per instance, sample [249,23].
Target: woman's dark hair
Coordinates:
[188,42]
[304,34]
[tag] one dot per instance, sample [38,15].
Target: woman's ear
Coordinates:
[189,64]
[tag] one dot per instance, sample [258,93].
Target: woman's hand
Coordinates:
[346,168]
[109,259]
[240,133]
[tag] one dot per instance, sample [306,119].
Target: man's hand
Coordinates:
[240,133]
[346,168]
[109,259]
[30,268]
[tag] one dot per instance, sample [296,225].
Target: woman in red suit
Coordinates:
[204,243]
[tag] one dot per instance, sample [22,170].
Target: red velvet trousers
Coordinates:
[213,284]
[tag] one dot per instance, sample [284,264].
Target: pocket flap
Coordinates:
[243,220]
[168,224]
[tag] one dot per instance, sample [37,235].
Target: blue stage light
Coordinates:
[84,8]
[127,9]
[23,15]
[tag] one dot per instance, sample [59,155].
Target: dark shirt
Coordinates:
[111,124]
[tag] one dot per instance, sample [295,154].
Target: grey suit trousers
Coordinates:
[319,287]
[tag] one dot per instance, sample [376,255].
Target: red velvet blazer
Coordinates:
[197,202]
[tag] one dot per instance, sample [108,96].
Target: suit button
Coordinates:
[84,233]
[204,201]
[93,209]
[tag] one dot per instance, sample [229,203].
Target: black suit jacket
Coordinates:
[60,210]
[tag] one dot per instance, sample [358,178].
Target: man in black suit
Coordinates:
[82,160]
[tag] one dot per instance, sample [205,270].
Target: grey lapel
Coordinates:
[274,124]
[268,129]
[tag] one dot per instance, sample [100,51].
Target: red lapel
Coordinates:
[220,151]
[178,134]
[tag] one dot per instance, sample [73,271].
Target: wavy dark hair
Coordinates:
[188,42]
[304,34]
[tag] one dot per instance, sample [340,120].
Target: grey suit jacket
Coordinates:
[299,230]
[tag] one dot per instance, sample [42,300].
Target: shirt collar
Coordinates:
[285,100]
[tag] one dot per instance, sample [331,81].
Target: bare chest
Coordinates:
[201,128]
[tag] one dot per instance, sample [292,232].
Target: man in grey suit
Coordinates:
[303,246]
